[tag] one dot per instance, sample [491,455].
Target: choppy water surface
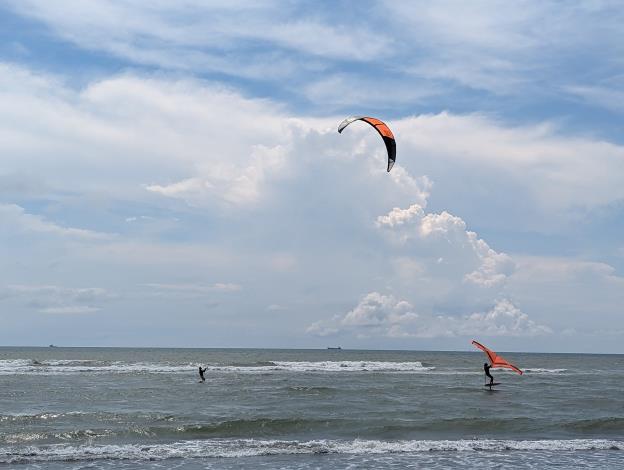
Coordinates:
[144,408]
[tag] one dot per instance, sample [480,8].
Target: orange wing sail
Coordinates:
[497,361]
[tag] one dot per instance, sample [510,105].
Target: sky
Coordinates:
[171,174]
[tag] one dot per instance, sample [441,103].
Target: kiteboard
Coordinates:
[492,384]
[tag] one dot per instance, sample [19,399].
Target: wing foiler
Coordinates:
[497,361]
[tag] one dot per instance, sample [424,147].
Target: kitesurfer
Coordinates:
[201,373]
[486,368]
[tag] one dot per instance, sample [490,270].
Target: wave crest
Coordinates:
[232,448]
[71,366]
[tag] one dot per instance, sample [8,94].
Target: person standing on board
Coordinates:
[486,368]
[201,373]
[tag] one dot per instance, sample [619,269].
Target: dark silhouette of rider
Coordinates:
[201,373]
[486,368]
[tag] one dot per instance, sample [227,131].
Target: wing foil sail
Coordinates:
[497,362]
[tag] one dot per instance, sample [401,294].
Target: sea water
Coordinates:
[102,408]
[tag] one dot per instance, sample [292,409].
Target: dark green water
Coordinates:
[144,408]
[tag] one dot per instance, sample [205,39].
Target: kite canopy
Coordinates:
[384,132]
[497,361]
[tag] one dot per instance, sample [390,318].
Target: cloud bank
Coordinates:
[242,199]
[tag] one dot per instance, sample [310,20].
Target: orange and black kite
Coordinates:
[384,132]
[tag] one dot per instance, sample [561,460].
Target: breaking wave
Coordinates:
[232,448]
[69,366]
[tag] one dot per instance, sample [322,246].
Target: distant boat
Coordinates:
[337,347]
[52,346]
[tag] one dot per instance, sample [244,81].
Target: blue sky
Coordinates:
[172,176]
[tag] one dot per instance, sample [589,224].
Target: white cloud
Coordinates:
[586,295]
[15,219]
[285,203]
[398,217]
[70,310]
[413,51]
[549,178]
[191,141]
[195,289]
[610,97]
[494,267]
[195,35]
[322,328]
[385,316]
[207,146]
[275,308]
[227,287]
[375,315]
[482,265]
[504,319]
[347,89]
[376,309]
[506,48]
[157,131]
[233,184]
[481,46]
[54,299]
[189,291]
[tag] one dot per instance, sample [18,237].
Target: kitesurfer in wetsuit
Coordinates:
[486,368]
[201,373]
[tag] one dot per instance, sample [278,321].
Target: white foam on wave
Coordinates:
[232,448]
[544,371]
[62,367]
[70,366]
[8,364]
[349,366]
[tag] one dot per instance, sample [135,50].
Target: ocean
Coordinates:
[104,408]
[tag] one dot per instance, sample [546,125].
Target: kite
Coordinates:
[384,132]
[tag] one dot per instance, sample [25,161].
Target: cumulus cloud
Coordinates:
[504,319]
[386,316]
[376,309]
[196,142]
[413,225]
[284,203]
[205,144]
[235,185]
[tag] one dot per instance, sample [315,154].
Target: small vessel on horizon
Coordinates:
[336,347]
